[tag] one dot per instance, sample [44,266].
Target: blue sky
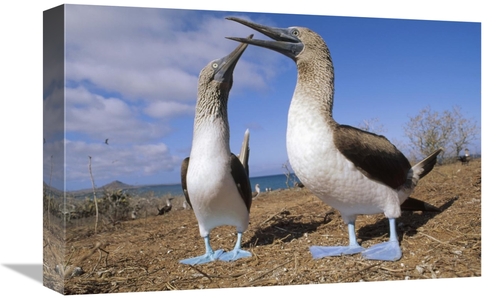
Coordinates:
[131,77]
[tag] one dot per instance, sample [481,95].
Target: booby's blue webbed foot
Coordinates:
[387,251]
[318,252]
[209,256]
[234,254]
[203,259]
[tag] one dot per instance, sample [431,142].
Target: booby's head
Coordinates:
[219,72]
[294,42]
[309,52]
[214,83]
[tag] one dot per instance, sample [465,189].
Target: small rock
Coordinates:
[419,269]
[77,272]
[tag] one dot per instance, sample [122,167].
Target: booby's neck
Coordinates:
[211,128]
[311,111]
[315,82]
[211,103]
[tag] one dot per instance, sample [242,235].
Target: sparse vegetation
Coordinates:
[95,198]
[290,179]
[372,125]
[144,254]
[115,205]
[429,130]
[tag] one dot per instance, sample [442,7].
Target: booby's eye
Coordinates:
[215,65]
[295,32]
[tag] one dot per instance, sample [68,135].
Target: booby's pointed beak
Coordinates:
[285,41]
[228,63]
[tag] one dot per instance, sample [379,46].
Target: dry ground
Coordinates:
[144,254]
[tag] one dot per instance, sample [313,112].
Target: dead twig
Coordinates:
[201,272]
[432,238]
[263,222]
[100,257]
[392,270]
[357,272]
[170,286]
[67,270]
[281,240]
[265,273]
[282,229]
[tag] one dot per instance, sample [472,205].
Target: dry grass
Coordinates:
[144,254]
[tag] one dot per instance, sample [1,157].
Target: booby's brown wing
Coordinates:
[374,155]
[242,181]
[184,169]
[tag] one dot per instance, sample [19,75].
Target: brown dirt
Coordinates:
[144,254]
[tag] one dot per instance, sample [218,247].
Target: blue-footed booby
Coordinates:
[354,171]
[256,192]
[215,181]
[167,208]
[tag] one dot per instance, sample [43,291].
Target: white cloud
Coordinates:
[53,163]
[130,73]
[149,54]
[111,162]
[53,114]
[168,109]
[100,118]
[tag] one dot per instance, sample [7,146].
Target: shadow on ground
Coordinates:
[33,271]
[284,229]
[410,221]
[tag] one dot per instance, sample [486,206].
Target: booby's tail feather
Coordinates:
[422,168]
[427,164]
[245,151]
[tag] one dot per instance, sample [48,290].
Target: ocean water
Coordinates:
[274,182]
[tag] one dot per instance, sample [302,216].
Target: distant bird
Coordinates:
[354,171]
[186,205]
[299,185]
[214,181]
[135,212]
[465,159]
[166,208]
[106,141]
[256,192]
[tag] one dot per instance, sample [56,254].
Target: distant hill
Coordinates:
[114,185]
[51,190]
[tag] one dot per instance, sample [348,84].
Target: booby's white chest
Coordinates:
[327,172]
[212,190]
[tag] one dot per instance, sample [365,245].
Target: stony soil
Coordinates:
[144,254]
